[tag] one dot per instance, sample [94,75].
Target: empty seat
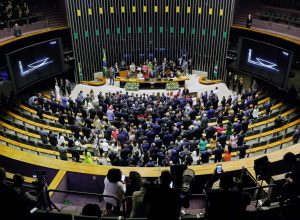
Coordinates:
[32,143]
[255,145]
[263,143]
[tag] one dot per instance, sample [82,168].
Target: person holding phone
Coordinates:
[214,181]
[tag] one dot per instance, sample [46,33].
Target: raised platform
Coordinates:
[192,84]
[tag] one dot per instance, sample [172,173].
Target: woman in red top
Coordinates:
[220,128]
[227,154]
[115,134]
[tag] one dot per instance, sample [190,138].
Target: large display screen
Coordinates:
[265,61]
[34,63]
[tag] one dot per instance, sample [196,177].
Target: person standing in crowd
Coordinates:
[68,86]
[17,30]
[28,198]
[240,85]
[202,144]
[296,136]
[163,202]
[243,150]
[123,64]
[57,90]
[291,187]
[249,21]
[112,75]
[267,107]
[134,184]
[190,66]
[255,113]
[87,157]
[228,80]
[10,201]
[44,136]
[114,186]
[139,209]
[117,70]
[184,67]
[62,87]
[234,82]
[62,149]
[227,202]
[110,114]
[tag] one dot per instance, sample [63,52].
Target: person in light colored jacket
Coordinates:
[114,186]
[255,113]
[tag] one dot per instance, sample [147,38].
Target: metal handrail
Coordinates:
[259,187]
[128,198]
[79,193]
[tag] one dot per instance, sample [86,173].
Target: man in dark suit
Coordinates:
[296,136]
[228,202]
[17,30]
[52,139]
[228,79]
[249,21]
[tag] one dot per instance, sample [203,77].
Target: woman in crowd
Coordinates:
[87,157]
[134,184]
[233,140]
[202,144]
[213,143]
[114,186]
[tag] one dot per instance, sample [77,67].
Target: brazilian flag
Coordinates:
[104,64]
[216,72]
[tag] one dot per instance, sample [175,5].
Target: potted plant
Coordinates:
[132,86]
[172,86]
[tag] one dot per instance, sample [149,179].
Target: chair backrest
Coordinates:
[84,217]
[38,215]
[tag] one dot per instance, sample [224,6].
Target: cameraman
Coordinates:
[10,201]
[291,187]
[28,198]
[227,202]
[163,202]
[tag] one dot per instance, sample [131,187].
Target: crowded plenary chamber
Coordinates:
[150,109]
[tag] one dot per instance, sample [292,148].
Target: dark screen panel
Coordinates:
[265,61]
[35,62]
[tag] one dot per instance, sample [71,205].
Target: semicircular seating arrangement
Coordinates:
[21,127]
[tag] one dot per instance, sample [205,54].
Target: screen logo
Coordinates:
[261,62]
[285,53]
[33,66]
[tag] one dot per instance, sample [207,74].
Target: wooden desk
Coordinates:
[99,82]
[152,83]
[203,80]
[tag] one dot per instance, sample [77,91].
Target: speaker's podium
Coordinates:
[278,180]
